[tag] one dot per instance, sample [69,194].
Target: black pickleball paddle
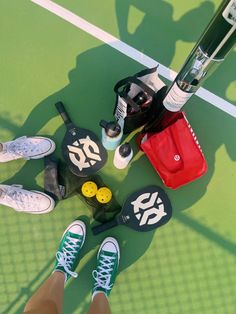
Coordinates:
[144,210]
[81,148]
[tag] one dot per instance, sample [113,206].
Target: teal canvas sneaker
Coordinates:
[67,256]
[107,265]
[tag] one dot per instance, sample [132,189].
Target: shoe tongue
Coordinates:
[74,235]
[19,144]
[106,257]
[108,254]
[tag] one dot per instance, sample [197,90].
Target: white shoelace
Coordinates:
[23,201]
[21,147]
[102,276]
[66,257]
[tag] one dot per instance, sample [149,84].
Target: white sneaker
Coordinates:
[33,202]
[27,147]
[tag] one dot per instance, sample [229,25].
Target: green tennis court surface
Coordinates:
[188,265]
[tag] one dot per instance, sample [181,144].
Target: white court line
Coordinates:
[131,52]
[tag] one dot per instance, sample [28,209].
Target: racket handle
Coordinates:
[103,227]
[61,109]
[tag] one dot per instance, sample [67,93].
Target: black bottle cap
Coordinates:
[112,128]
[125,150]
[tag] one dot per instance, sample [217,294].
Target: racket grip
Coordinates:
[61,109]
[103,227]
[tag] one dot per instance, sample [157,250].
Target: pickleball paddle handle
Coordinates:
[103,227]
[61,109]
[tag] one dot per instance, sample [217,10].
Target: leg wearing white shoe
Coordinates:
[99,305]
[48,299]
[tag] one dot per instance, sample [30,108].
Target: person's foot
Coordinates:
[33,202]
[107,265]
[67,256]
[26,147]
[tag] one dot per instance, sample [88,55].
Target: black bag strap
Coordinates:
[146,71]
[144,87]
[127,81]
[122,83]
[134,80]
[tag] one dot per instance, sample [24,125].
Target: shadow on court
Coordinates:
[89,96]
[157,33]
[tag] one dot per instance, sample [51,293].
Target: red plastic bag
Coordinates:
[175,153]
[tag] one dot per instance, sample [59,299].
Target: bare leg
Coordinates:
[99,305]
[48,299]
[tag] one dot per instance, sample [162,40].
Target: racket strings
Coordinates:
[102,275]
[67,256]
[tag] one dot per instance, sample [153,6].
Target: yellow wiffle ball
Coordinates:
[103,195]
[89,189]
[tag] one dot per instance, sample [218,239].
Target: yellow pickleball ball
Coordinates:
[89,189]
[103,195]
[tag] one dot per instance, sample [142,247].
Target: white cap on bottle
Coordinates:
[123,155]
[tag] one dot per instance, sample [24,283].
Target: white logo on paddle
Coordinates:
[84,157]
[148,208]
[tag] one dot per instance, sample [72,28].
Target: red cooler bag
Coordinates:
[175,153]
